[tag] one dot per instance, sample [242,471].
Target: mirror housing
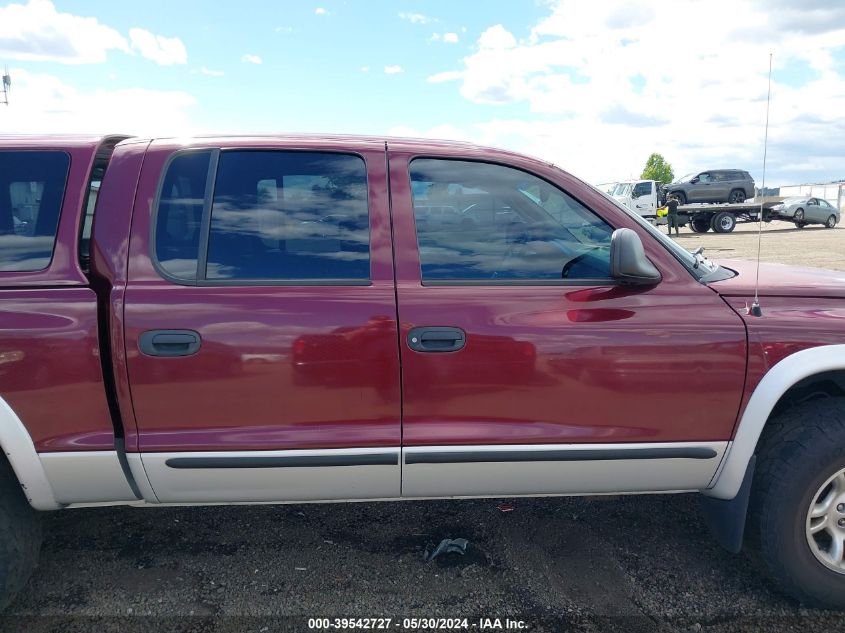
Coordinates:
[694,181]
[628,262]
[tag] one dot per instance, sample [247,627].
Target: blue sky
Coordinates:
[311,73]
[594,87]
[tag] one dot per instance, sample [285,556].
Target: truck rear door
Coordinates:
[260,323]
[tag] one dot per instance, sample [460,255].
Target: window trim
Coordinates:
[201,281]
[61,207]
[600,281]
[593,281]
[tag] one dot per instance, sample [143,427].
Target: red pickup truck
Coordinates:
[315,318]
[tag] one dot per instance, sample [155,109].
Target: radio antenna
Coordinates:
[755,309]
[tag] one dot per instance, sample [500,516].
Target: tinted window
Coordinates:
[642,189]
[477,221]
[289,216]
[825,204]
[180,214]
[32,187]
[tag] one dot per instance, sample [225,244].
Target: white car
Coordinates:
[807,210]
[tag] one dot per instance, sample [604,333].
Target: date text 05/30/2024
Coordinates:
[418,624]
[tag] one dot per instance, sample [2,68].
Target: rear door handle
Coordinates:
[169,342]
[436,339]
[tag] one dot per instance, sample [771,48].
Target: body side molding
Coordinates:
[776,382]
[508,454]
[276,476]
[375,458]
[558,469]
[20,451]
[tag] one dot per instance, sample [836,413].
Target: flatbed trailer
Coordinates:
[721,218]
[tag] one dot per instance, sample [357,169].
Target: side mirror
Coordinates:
[628,262]
[694,181]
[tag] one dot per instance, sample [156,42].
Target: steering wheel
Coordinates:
[567,267]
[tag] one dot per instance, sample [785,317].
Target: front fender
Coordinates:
[776,382]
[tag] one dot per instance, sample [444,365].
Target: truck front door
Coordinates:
[526,368]
[645,198]
[260,323]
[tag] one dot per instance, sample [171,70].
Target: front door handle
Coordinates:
[169,342]
[436,339]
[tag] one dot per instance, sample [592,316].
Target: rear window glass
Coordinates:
[32,188]
[282,215]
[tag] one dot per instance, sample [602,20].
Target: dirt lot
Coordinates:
[782,242]
[626,564]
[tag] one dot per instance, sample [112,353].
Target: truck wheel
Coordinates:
[797,509]
[831,222]
[723,222]
[682,198]
[700,225]
[737,196]
[20,536]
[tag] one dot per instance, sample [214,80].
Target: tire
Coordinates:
[20,536]
[736,196]
[700,225]
[798,218]
[800,451]
[681,196]
[831,222]
[723,222]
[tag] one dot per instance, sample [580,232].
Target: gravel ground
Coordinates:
[582,564]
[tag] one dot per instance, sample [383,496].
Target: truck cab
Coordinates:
[291,319]
[642,197]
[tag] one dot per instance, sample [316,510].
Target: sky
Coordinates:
[594,87]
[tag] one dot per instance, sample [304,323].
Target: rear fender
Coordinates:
[20,451]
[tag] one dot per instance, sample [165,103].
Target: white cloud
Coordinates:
[251,59]
[211,73]
[365,69]
[164,51]
[700,100]
[43,103]
[320,11]
[392,70]
[38,32]
[448,38]
[416,18]
[284,29]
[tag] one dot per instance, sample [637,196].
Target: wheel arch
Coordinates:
[19,450]
[780,387]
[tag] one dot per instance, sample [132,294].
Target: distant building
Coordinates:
[833,192]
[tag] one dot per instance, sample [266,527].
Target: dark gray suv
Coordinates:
[715,185]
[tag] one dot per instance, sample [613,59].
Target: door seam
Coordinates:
[398,321]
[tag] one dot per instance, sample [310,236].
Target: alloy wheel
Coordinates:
[825,527]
